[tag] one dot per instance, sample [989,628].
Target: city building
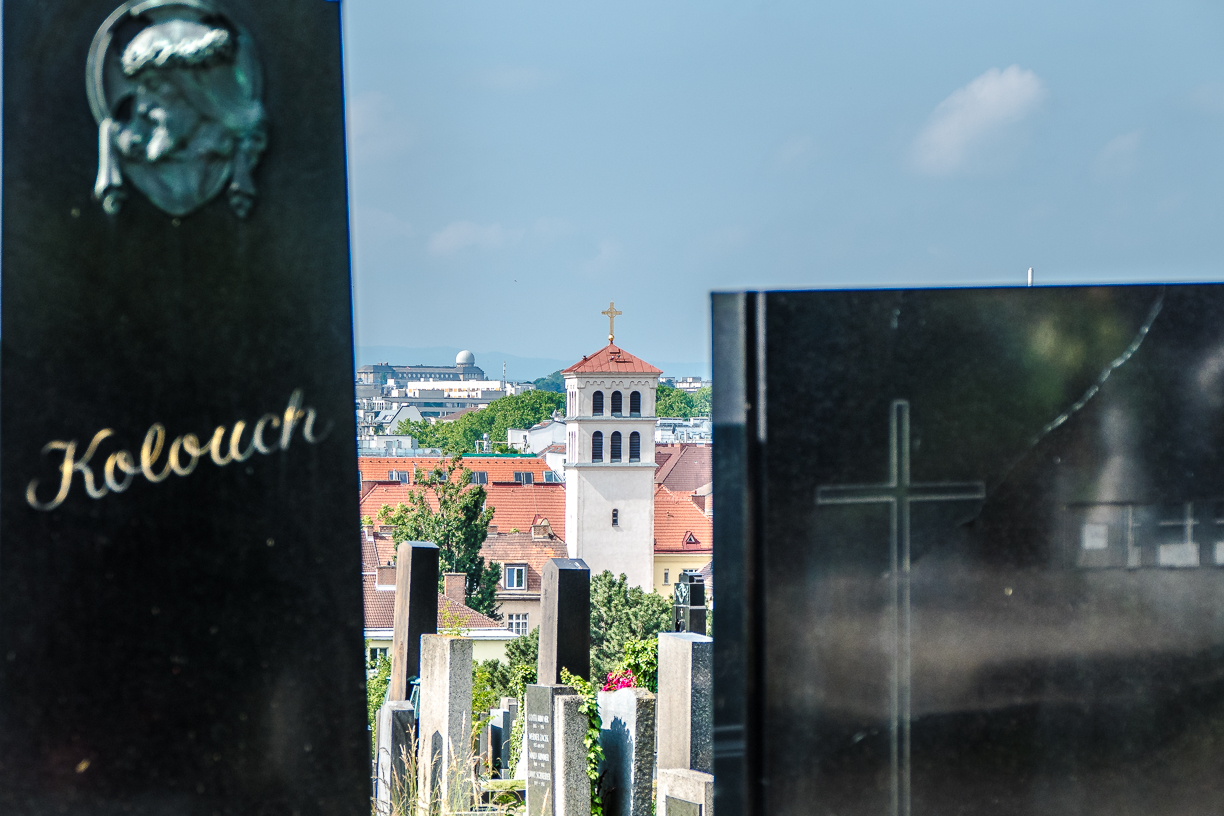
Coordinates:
[673,430]
[489,638]
[464,369]
[522,556]
[684,537]
[609,467]
[689,384]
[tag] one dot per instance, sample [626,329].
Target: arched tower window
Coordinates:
[616,403]
[635,404]
[616,447]
[635,447]
[597,447]
[597,404]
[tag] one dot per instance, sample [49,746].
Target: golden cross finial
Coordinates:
[611,313]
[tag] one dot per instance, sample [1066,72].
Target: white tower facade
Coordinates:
[609,464]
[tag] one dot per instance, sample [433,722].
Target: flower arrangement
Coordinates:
[620,679]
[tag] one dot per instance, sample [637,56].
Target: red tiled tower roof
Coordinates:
[612,360]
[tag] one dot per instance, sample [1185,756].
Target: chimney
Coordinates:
[453,585]
[385,579]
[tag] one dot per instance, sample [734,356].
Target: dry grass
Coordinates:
[462,780]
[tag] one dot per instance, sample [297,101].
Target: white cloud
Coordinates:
[462,234]
[973,117]
[795,153]
[1118,158]
[377,130]
[514,78]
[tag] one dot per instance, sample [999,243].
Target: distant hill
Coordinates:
[519,369]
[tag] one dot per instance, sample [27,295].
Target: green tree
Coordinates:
[673,402]
[524,650]
[553,382]
[459,527]
[461,436]
[376,690]
[619,614]
[701,402]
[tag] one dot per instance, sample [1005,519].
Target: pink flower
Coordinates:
[618,680]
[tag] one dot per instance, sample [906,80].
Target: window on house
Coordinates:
[597,447]
[480,477]
[551,476]
[516,576]
[398,476]
[597,404]
[524,477]
[615,518]
[517,623]
[616,403]
[616,447]
[635,447]
[665,581]
[372,655]
[635,404]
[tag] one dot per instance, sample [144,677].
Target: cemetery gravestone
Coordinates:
[967,551]
[565,628]
[685,793]
[686,669]
[416,611]
[180,592]
[627,735]
[571,785]
[538,733]
[690,609]
[396,735]
[445,723]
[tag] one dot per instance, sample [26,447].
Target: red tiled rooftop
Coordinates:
[380,609]
[499,468]
[514,505]
[679,525]
[524,548]
[612,360]
[684,467]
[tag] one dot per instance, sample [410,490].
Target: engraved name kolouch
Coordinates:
[120,468]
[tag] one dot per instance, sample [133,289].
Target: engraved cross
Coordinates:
[899,492]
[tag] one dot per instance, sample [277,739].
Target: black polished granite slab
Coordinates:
[970,551]
[192,644]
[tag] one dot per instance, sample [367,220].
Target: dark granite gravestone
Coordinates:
[565,628]
[416,611]
[970,546]
[689,609]
[180,592]
[538,737]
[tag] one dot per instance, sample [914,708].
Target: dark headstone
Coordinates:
[689,610]
[396,744]
[178,635]
[538,732]
[416,612]
[565,628]
[970,537]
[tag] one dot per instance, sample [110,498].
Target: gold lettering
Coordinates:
[308,428]
[124,461]
[257,437]
[189,443]
[293,413]
[154,441]
[65,468]
[235,437]
[69,466]
[214,446]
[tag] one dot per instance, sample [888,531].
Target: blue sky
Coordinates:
[516,165]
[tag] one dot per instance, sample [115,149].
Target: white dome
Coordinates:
[465,358]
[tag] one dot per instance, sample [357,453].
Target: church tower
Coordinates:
[609,462]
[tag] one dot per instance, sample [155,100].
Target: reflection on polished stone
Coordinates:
[977,566]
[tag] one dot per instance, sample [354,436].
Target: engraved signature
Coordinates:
[184,453]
